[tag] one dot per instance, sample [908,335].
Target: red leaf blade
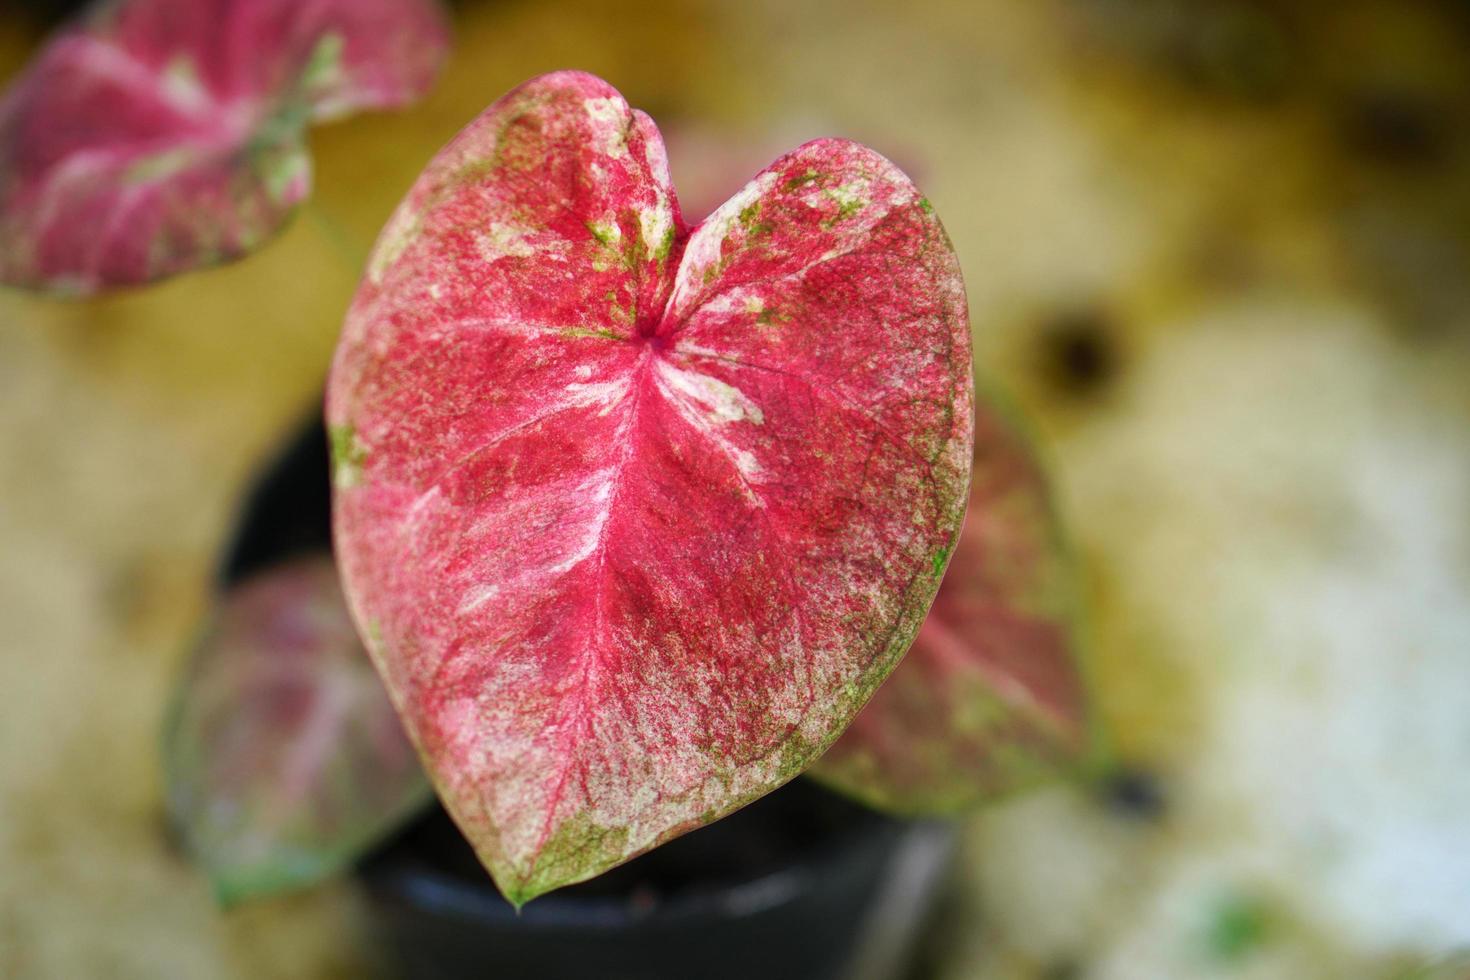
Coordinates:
[284,757]
[990,697]
[636,526]
[158,136]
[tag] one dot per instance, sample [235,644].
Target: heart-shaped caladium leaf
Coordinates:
[990,697]
[634,517]
[283,754]
[157,136]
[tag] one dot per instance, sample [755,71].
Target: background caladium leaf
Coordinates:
[156,136]
[283,755]
[990,696]
[635,518]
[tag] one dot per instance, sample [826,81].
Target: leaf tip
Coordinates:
[519,890]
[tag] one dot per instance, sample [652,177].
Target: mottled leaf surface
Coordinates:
[284,756]
[636,517]
[990,697]
[156,136]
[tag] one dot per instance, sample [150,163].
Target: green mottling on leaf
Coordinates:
[941,557]
[796,182]
[613,251]
[518,143]
[771,317]
[602,332]
[666,246]
[797,753]
[750,221]
[618,311]
[580,849]
[608,235]
[926,206]
[635,252]
[348,455]
[849,202]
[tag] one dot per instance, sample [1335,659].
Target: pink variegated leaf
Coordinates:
[283,755]
[990,697]
[636,517]
[156,136]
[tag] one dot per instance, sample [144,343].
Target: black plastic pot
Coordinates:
[801,884]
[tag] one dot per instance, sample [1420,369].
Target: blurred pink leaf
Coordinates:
[157,136]
[284,757]
[990,697]
[636,517]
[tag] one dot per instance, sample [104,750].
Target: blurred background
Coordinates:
[1216,249]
